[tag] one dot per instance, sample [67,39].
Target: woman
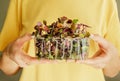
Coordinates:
[23,15]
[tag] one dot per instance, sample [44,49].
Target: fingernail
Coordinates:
[32,37]
[91,36]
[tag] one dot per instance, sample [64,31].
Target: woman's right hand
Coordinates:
[14,57]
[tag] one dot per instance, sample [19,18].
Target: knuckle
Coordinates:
[27,60]
[17,41]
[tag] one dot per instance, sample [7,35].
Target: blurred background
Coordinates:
[3,9]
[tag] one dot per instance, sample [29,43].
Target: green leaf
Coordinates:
[60,30]
[44,22]
[87,34]
[75,21]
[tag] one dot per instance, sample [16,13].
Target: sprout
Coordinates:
[44,22]
[63,39]
[75,21]
[39,24]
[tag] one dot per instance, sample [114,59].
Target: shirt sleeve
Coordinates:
[113,27]
[11,27]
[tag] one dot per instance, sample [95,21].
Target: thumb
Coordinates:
[103,44]
[23,39]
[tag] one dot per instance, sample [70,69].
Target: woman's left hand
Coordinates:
[106,58]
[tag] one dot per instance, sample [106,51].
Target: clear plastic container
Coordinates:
[62,48]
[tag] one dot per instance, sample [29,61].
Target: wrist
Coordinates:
[7,65]
[113,68]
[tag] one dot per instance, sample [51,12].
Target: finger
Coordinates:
[103,44]
[98,53]
[90,62]
[20,41]
[34,60]
[25,38]
[30,61]
[70,60]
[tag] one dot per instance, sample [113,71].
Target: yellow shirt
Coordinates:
[22,16]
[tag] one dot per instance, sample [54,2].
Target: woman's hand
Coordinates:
[105,58]
[14,57]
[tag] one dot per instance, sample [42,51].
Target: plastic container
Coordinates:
[67,48]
